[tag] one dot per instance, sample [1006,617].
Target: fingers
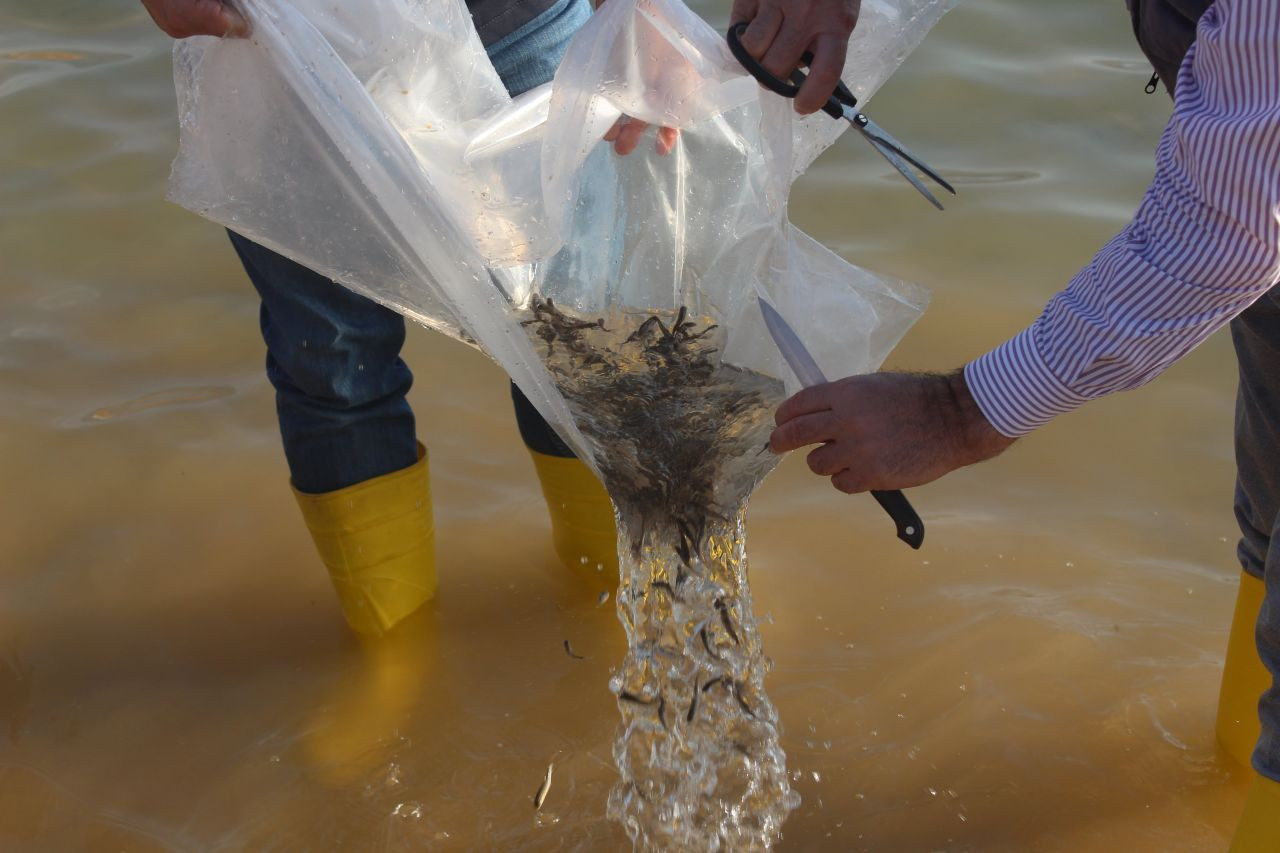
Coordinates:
[808,401]
[667,137]
[827,460]
[186,18]
[849,482]
[824,74]
[783,55]
[743,11]
[237,26]
[626,132]
[804,430]
[779,33]
[762,30]
[628,136]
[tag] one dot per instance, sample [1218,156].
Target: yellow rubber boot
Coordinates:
[582,526]
[1244,678]
[377,540]
[353,732]
[1259,827]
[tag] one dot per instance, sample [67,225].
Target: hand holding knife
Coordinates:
[802,364]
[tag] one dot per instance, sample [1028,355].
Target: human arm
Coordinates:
[183,18]
[1203,246]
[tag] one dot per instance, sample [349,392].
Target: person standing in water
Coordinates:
[1202,251]
[356,466]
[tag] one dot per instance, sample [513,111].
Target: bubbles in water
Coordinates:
[677,436]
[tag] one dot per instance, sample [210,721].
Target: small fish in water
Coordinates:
[712,683]
[662,710]
[631,697]
[724,618]
[604,596]
[541,797]
[663,585]
[681,576]
[693,703]
[706,644]
[742,703]
[568,650]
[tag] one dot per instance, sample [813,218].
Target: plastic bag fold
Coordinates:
[375,143]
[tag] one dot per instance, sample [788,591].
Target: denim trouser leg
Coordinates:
[333,356]
[1256,334]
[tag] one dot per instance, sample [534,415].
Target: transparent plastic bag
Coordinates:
[378,147]
[375,143]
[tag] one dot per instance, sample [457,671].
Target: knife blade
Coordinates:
[802,364]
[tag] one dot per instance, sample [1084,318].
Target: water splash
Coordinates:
[680,439]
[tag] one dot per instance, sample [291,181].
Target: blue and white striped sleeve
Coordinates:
[1203,246]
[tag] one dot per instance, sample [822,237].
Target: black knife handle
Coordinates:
[910,527]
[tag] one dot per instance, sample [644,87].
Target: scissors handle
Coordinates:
[835,104]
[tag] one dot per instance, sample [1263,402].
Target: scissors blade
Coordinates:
[897,162]
[792,349]
[803,365]
[883,138]
[897,154]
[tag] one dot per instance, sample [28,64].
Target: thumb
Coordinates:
[235,24]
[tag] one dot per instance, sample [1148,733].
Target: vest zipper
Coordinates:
[1150,88]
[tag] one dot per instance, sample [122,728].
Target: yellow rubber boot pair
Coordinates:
[377,539]
[583,530]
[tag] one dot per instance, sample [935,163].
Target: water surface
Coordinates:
[174,671]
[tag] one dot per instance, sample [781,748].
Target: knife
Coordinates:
[910,527]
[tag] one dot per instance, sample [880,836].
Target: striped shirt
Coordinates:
[1202,247]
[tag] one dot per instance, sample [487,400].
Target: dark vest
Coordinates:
[1165,31]
[497,18]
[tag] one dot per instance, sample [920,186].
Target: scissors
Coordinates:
[842,105]
[803,365]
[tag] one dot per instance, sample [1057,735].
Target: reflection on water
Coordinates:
[160,400]
[175,674]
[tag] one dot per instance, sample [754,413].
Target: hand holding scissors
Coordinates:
[779,32]
[842,105]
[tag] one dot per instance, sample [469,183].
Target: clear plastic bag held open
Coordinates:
[374,142]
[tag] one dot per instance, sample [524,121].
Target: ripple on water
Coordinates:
[979,177]
[25,69]
[167,399]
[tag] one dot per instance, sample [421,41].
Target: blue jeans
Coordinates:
[333,356]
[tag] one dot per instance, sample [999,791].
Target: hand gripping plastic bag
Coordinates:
[374,142]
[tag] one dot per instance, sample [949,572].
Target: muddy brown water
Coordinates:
[175,674]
